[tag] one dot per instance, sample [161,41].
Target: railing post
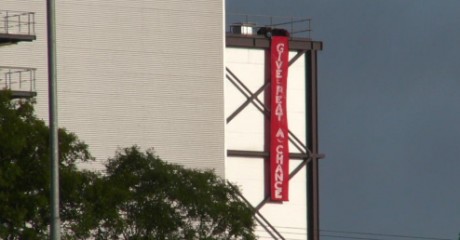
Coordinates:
[33,23]
[6,22]
[19,23]
[20,80]
[6,83]
[28,23]
[34,81]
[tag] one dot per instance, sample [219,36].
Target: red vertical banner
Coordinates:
[279,141]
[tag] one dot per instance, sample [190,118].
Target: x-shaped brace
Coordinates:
[253,98]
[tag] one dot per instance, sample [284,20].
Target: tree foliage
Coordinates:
[152,199]
[140,196]
[25,171]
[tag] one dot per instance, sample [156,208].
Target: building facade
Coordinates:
[138,72]
[167,75]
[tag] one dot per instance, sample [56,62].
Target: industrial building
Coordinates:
[174,76]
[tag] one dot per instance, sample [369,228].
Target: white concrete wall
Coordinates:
[246,132]
[134,72]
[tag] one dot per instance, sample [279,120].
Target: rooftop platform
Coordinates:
[19,80]
[16,26]
[250,31]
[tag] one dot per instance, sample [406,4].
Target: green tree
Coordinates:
[140,197]
[148,198]
[25,173]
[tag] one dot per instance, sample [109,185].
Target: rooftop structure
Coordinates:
[19,80]
[16,26]
[248,90]
[245,24]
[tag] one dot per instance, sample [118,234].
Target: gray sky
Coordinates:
[389,85]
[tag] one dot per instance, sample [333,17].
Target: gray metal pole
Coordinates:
[53,120]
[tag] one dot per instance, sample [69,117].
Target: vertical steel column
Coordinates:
[312,144]
[53,120]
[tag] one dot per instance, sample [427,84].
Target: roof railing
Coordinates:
[20,79]
[17,22]
[296,26]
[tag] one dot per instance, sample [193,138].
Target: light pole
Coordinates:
[53,120]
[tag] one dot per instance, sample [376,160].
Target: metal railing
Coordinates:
[17,78]
[297,26]
[16,22]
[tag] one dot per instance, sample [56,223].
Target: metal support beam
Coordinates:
[259,154]
[261,42]
[312,144]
